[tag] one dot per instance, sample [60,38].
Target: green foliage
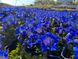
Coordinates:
[71,49]
[18,53]
[0,28]
[72,57]
[53,29]
[76,3]
[9,35]
[15,53]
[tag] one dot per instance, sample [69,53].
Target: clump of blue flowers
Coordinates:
[38,32]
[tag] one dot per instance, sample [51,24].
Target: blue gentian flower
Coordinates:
[19,30]
[48,41]
[32,40]
[10,20]
[75,52]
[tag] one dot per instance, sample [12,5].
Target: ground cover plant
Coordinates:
[33,33]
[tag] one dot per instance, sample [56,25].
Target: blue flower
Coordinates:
[32,40]
[19,30]
[1,16]
[75,52]
[6,53]
[48,41]
[1,53]
[11,20]
[38,29]
[76,41]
